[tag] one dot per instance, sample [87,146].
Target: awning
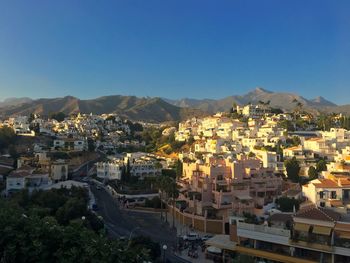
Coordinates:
[301,227]
[336,203]
[342,234]
[244,197]
[222,242]
[214,250]
[322,230]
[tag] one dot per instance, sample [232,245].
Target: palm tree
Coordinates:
[173,192]
[168,186]
[159,184]
[300,106]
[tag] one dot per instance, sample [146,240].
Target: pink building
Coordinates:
[219,188]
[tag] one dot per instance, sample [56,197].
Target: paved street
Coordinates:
[124,222]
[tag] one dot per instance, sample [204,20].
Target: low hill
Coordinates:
[135,108]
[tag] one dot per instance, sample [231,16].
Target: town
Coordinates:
[251,183]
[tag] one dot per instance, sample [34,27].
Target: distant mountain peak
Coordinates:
[69,97]
[282,100]
[319,99]
[322,100]
[261,90]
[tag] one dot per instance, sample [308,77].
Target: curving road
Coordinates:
[124,223]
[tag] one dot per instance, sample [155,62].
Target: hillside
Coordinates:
[142,109]
[161,109]
[14,101]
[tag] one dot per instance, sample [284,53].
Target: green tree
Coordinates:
[179,167]
[293,169]
[324,122]
[7,137]
[190,140]
[58,116]
[285,124]
[345,122]
[91,145]
[142,242]
[313,174]
[286,204]
[127,171]
[321,165]
[72,209]
[27,235]
[168,189]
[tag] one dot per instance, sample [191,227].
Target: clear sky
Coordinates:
[175,48]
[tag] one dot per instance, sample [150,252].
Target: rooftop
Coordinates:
[315,213]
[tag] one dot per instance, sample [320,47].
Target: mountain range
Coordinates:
[286,101]
[163,109]
[140,109]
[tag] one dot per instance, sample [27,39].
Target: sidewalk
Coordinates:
[201,256]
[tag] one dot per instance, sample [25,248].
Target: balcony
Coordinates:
[263,233]
[224,205]
[271,255]
[312,241]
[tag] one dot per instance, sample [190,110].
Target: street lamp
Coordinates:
[165,247]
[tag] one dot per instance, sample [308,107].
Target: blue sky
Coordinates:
[174,49]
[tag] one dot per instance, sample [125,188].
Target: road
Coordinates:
[80,173]
[125,223]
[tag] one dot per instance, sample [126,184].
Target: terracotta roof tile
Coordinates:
[315,213]
[325,183]
[342,226]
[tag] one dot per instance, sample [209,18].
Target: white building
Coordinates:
[70,144]
[144,169]
[109,170]
[27,178]
[59,170]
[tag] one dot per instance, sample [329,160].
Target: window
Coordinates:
[333,194]
[321,194]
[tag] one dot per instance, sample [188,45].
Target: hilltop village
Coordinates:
[254,181]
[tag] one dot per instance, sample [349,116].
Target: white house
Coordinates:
[59,170]
[109,170]
[70,144]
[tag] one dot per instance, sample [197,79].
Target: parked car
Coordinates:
[206,237]
[192,236]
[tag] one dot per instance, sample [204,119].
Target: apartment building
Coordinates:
[110,170]
[311,235]
[221,187]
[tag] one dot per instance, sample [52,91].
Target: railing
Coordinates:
[312,238]
[264,229]
[342,242]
